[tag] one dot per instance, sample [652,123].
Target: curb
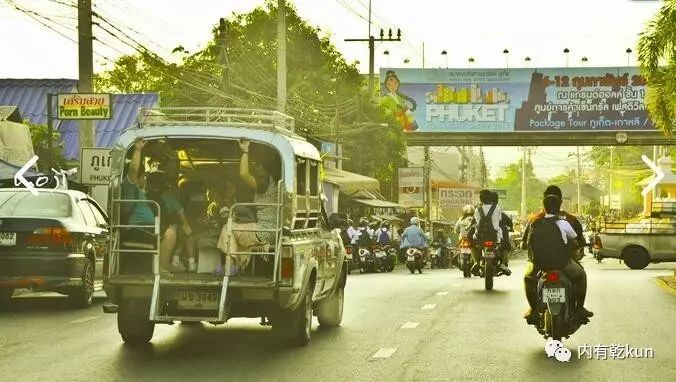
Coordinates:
[667,283]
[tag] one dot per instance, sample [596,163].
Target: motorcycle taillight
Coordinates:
[489,244]
[553,277]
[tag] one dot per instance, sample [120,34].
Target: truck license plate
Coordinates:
[197,300]
[557,295]
[7,239]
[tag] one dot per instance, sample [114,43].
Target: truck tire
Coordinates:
[636,257]
[133,324]
[295,326]
[330,310]
[5,297]
[83,296]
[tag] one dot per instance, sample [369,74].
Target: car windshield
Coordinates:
[44,204]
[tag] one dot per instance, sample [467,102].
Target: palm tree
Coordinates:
[657,57]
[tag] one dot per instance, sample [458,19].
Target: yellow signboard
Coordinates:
[84,106]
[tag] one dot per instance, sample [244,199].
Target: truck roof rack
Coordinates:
[248,118]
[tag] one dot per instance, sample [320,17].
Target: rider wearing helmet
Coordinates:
[383,235]
[465,223]
[363,234]
[413,236]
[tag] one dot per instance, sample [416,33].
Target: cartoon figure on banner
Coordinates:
[396,104]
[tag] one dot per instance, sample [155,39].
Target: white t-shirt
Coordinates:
[567,231]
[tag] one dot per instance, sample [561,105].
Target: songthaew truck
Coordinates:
[273,256]
[641,241]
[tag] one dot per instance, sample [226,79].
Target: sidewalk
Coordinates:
[668,283]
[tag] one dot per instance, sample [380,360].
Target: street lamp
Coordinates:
[471,61]
[584,61]
[628,51]
[565,52]
[527,61]
[406,60]
[506,53]
[445,54]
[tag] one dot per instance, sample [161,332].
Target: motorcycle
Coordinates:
[414,260]
[367,260]
[556,306]
[385,257]
[466,253]
[489,263]
[352,259]
[439,256]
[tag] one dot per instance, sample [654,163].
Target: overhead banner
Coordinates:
[84,106]
[456,198]
[515,100]
[411,181]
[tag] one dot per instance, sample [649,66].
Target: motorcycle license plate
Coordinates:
[489,255]
[465,251]
[196,300]
[348,256]
[363,258]
[554,295]
[411,258]
[380,254]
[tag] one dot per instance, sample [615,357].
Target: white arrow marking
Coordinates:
[442,293]
[659,175]
[410,325]
[384,353]
[428,306]
[19,176]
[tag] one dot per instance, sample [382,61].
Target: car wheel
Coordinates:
[133,324]
[330,310]
[295,326]
[6,296]
[83,296]
[636,258]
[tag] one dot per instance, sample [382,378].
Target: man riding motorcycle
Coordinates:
[413,236]
[488,209]
[573,270]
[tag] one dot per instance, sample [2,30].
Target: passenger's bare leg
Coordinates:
[167,246]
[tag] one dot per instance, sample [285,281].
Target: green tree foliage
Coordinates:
[39,134]
[325,94]
[510,180]
[657,57]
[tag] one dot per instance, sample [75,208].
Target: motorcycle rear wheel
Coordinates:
[488,276]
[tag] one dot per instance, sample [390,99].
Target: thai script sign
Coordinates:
[411,187]
[515,100]
[84,106]
[456,198]
[94,166]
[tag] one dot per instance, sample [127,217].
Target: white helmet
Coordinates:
[468,209]
[415,220]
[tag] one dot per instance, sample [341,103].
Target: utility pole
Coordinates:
[610,179]
[579,184]
[281,56]
[223,41]
[85,64]
[372,45]
[482,168]
[428,187]
[523,182]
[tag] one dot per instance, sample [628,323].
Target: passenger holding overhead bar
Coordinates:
[140,213]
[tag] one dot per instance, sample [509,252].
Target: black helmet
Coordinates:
[385,225]
[363,222]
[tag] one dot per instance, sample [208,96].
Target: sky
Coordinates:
[600,30]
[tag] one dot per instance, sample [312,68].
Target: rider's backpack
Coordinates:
[384,238]
[485,229]
[364,237]
[546,246]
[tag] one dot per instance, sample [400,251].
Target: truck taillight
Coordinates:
[49,236]
[287,264]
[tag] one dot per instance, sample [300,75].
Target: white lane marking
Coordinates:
[85,319]
[442,293]
[428,306]
[384,353]
[410,325]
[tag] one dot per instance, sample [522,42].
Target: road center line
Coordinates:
[410,325]
[442,293]
[428,306]
[384,353]
[85,319]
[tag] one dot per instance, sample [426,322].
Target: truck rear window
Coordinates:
[44,204]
